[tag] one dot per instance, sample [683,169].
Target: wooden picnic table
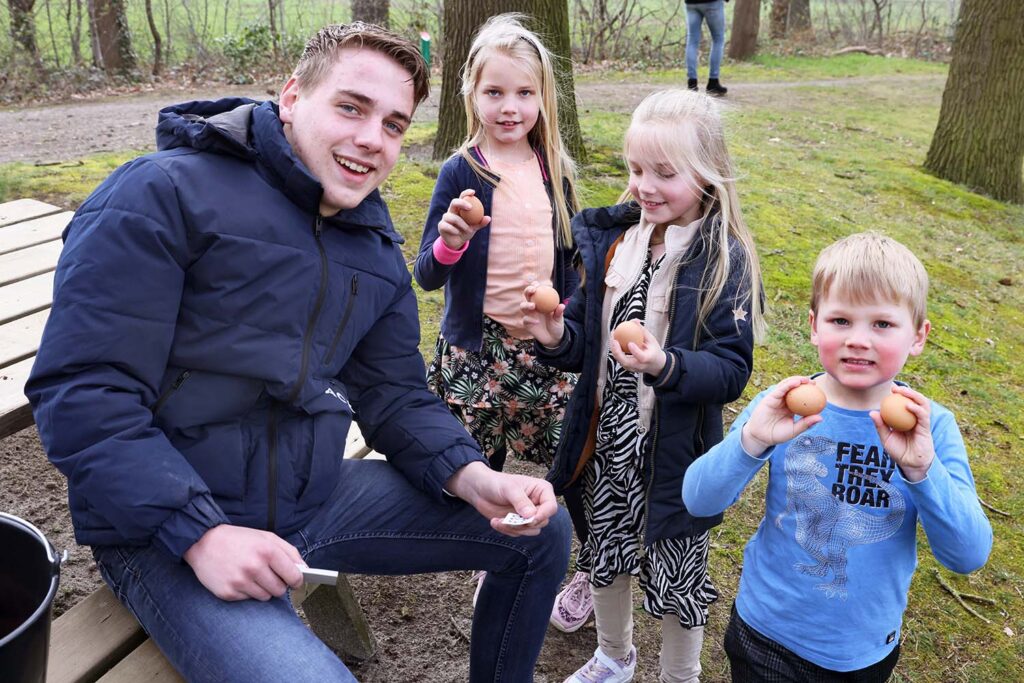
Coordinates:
[30,242]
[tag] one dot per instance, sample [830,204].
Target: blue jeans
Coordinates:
[714,14]
[376,523]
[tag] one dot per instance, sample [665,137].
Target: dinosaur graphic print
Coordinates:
[830,521]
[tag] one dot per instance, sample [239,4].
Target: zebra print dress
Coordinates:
[672,572]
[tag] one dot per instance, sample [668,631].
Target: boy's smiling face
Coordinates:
[863,346]
[348,130]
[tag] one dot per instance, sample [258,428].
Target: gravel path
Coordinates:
[56,133]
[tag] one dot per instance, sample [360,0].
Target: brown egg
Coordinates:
[475,213]
[629,331]
[895,414]
[546,299]
[806,399]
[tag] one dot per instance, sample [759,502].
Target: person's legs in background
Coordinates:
[715,16]
[694,19]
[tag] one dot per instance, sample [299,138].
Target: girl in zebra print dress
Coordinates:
[680,260]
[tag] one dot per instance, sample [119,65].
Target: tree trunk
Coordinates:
[780,18]
[746,21]
[551,22]
[111,39]
[157,42]
[23,28]
[371,11]
[272,19]
[462,18]
[74,29]
[979,140]
[800,16]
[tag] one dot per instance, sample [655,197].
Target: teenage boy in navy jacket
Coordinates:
[223,309]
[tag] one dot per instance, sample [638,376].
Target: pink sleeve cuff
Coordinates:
[445,255]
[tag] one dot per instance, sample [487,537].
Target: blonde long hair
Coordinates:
[504,34]
[684,129]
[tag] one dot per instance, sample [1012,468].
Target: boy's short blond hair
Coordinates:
[868,267]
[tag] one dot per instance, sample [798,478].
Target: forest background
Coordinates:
[829,125]
[56,48]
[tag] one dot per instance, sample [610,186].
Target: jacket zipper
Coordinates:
[307,340]
[272,468]
[344,318]
[656,419]
[170,391]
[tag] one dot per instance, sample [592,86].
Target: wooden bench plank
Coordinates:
[145,663]
[24,263]
[15,411]
[355,445]
[23,210]
[19,339]
[26,297]
[36,231]
[91,638]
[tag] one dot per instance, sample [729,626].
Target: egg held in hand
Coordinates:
[805,400]
[545,299]
[895,414]
[475,213]
[629,331]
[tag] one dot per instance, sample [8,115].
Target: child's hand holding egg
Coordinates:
[465,216]
[899,422]
[646,356]
[475,213]
[628,331]
[539,318]
[895,413]
[545,299]
[806,399]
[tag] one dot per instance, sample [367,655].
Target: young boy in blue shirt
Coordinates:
[825,576]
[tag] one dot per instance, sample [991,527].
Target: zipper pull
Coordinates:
[181,380]
[355,284]
[318,226]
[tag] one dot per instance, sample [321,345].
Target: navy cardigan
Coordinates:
[465,281]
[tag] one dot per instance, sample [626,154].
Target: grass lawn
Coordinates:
[817,163]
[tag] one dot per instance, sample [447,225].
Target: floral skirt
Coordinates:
[509,401]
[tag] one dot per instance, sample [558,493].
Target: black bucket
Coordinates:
[29,574]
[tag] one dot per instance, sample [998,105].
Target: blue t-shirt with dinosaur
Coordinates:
[827,572]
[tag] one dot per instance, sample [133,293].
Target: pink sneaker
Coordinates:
[603,669]
[573,605]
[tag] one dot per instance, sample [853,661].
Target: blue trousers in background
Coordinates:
[714,14]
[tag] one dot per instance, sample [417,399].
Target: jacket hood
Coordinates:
[252,131]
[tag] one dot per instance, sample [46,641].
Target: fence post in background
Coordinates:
[425,46]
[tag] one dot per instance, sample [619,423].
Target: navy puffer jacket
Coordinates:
[212,337]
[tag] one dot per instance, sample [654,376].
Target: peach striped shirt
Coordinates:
[522,247]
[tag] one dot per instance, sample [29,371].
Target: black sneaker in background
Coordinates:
[691,83]
[716,89]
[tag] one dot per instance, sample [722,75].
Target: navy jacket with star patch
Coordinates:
[711,368]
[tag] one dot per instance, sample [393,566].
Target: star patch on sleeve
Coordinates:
[739,314]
